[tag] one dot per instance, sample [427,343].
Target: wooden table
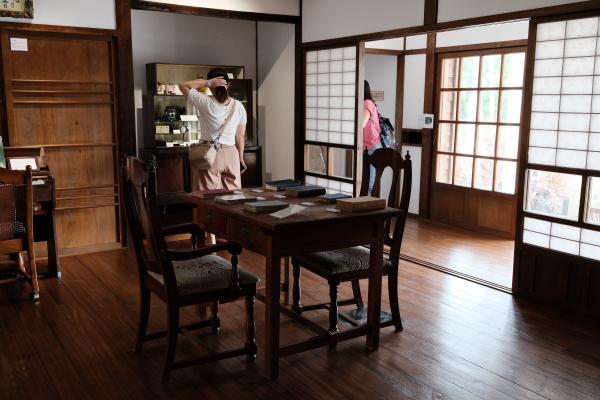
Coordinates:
[274,238]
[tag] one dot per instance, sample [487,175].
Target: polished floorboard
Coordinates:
[482,256]
[461,341]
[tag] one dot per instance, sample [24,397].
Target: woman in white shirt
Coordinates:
[213,111]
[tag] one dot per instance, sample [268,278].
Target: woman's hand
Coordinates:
[243,166]
[216,82]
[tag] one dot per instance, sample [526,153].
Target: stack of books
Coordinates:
[211,193]
[333,197]
[280,185]
[305,191]
[265,206]
[358,204]
[234,199]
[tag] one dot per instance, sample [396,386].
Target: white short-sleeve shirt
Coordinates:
[212,114]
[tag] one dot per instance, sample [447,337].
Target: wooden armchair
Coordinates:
[16,223]
[352,264]
[181,277]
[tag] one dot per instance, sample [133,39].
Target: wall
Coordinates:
[450,10]
[286,7]
[326,19]
[380,71]
[188,39]
[414,90]
[81,13]
[276,65]
[484,34]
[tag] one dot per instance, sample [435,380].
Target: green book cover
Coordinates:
[2,159]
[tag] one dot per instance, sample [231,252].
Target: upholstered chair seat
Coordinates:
[342,261]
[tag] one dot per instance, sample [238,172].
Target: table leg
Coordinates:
[272,293]
[375,276]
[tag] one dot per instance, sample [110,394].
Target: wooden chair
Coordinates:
[16,223]
[181,277]
[352,264]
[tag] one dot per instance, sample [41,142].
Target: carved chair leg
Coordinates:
[250,329]
[35,294]
[143,321]
[215,319]
[173,330]
[296,306]
[393,294]
[333,306]
[356,292]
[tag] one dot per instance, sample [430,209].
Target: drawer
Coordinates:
[249,236]
[42,193]
[211,221]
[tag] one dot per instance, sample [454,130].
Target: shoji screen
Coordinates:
[330,140]
[564,139]
[558,247]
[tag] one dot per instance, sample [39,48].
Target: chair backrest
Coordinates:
[16,204]
[399,197]
[142,214]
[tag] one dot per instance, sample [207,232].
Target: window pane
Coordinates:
[450,73]
[553,193]
[506,176]
[486,140]
[490,70]
[593,208]
[467,105]
[446,137]
[510,109]
[469,74]
[315,159]
[508,141]
[444,169]
[448,106]
[341,161]
[488,106]
[484,174]
[463,171]
[465,138]
[512,74]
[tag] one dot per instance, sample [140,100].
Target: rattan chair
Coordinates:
[16,224]
[352,264]
[181,277]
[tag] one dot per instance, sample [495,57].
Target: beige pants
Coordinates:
[224,173]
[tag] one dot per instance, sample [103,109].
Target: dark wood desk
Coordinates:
[44,203]
[300,234]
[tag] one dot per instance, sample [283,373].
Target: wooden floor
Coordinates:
[461,341]
[479,255]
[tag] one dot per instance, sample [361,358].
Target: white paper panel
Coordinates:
[578,66]
[594,142]
[554,49]
[576,103]
[589,251]
[536,239]
[573,140]
[595,123]
[543,138]
[546,103]
[537,225]
[550,67]
[566,232]
[546,85]
[564,246]
[580,47]
[551,31]
[544,121]
[570,158]
[590,237]
[582,27]
[574,122]
[593,161]
[540,155]
[577,85]
[596,103]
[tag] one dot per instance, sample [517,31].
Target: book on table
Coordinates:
[265,206]
[364,203]
[280,185]
[211,193]
[331,198]
[305,191]
[234,199]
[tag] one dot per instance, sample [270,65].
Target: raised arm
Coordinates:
[186,86]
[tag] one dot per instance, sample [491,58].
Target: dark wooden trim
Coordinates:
[483,46]
[45,29]
[414,51]
[589,5]
[400,64]
[427,142]
[215,13]
[383,52]
[358,137]
[431,12]
[299,96]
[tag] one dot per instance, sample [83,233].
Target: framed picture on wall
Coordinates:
[21,163]
[16,8]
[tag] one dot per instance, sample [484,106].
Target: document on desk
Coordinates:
[292,210]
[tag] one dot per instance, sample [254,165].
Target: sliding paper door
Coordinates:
[558,247]
[330,123]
